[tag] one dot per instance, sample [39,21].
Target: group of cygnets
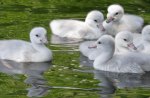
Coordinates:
[122,45]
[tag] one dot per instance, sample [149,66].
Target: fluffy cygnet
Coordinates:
[22,51]
[118,21]
[90,29]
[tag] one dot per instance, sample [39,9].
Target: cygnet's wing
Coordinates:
[140,59]
[133,22]
[13,48]
[67,28]
[12,45]
[124,64]
[137,40]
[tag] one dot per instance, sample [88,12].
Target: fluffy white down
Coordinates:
[22,51]
[123,44]
[90,29]
[123,63]
[143,42]
[118,21]
[85,49]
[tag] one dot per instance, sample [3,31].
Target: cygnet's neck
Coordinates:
[120,49]
[91,23]
[41,51]
[39,46]
[104,57]
[146,45]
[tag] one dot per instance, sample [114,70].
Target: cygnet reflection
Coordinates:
[34,73]
[63,40]
[110,81]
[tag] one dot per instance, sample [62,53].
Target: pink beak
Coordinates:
[92,46]
[132,46]
[109,19]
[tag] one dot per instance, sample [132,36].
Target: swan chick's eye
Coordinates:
[116,13]
[37,35]
[125,39]
[99,42]
[95,20]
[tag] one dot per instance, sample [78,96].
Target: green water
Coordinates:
[18,17]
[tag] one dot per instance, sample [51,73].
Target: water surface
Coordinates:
[69,75]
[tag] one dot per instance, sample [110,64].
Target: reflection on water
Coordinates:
[107,87]
[38,87]
[19,16]
[34,73]
[125,80]
[34,76]
[110,81]
[84,61]
[63,40]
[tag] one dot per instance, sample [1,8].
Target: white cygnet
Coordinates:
[122,63]
[90,29]
[118,21]
[124,42]
[22,51]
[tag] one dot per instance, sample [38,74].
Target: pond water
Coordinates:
[69,75]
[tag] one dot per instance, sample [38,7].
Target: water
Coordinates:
[70,75]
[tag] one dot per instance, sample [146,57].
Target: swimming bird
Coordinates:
[122,63]
[90,29]
[23,51]
[118,21]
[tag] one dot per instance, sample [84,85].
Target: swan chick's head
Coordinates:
[38,35]
[104,43]
[115,13]
[95,18]
[124,40]
[146,33]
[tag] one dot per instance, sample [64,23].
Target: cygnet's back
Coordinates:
[90,29]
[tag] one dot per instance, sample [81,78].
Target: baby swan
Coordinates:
[22,51]
[124,42]
[118,21]
[90,29]
[122,63]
